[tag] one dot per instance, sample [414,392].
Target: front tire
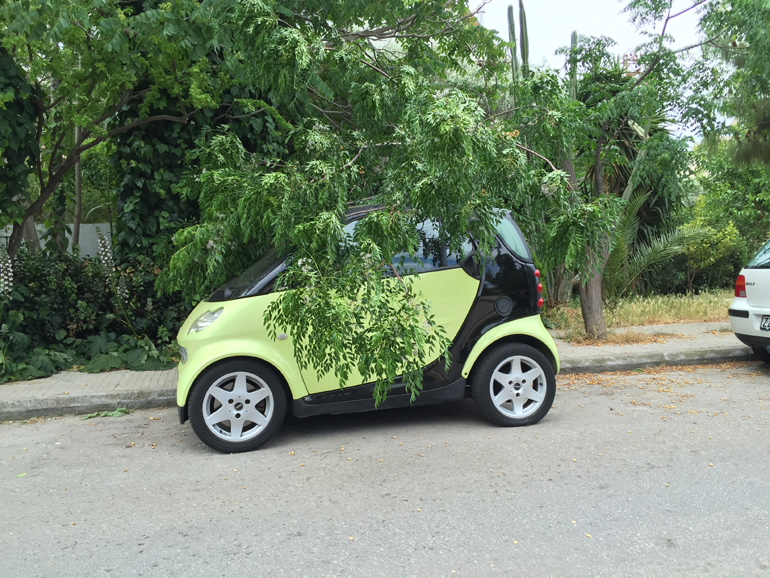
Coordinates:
[513,385]
[761,354]
[237,406]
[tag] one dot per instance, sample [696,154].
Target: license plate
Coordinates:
[764,325]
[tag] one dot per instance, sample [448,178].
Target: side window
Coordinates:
[513,238]
[431,254]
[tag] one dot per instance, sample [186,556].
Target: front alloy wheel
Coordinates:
[237,406]
[514,384]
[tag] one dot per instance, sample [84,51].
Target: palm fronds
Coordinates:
[631,258]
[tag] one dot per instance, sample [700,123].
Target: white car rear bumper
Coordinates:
[745,321]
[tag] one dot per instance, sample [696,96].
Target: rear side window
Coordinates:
[431,254]
[762,259]
[512,237]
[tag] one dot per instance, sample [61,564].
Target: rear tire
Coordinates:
[761,354]
[513,385]
[237,406]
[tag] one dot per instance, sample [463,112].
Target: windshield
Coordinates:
[259,279]
[762,259]
[255,280]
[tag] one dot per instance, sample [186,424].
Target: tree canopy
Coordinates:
[245,126]
[85,61]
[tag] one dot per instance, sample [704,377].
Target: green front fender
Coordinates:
[209,355]
[528,327]
[238,332]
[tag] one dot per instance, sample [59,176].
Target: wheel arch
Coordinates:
[528,331]
[518,338]
[279,374]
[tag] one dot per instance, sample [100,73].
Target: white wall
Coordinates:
[89,241]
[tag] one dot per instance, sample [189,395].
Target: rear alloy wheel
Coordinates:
[237,406]
[513,385]
[761,354]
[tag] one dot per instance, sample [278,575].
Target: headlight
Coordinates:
[205,320]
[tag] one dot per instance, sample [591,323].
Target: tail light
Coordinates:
[740,286]
[537,273]
[540,303]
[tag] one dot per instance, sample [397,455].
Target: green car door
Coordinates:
[439,278]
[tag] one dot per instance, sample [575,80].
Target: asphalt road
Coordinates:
[643,473]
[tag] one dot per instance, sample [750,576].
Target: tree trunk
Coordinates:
[561,291]
[591,306]
[14,241]
[29,235]
[568,166]
[58,229]
[17,234]
[78,196]
[591,291]
[560,282]
[27,231]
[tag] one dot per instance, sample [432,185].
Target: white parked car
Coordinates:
[750,311]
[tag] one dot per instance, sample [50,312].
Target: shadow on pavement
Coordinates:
[426,417]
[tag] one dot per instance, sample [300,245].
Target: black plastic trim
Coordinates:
[738,313]
[754,340]
[360,399]
[183,417]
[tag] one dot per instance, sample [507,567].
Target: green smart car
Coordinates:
[236,384]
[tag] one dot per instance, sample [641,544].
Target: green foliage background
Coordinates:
[213,132]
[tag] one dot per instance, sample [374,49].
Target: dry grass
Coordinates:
[659,375]
[624,337]
[642,311]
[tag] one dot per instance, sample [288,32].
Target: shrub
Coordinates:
[58,295]
[61,306]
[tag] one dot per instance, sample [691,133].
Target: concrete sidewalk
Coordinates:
[682,344]
[79,393]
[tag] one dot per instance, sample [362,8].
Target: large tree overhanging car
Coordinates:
[750,311]
[236,384]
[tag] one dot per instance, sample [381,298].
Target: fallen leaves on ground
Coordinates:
[115,413]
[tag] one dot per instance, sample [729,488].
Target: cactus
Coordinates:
[573,67]
[524,41]
[512,40]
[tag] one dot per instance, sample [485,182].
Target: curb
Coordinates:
[21,409]
[629,362]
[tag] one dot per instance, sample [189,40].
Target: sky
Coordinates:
[550,24]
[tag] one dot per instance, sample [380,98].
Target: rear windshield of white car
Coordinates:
[762,259]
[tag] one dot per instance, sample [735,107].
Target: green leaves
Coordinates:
[733,192]
[119,412]
[18,147]
[108,352]
[103,362]
[370,123]
[83,63]
[39,362]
